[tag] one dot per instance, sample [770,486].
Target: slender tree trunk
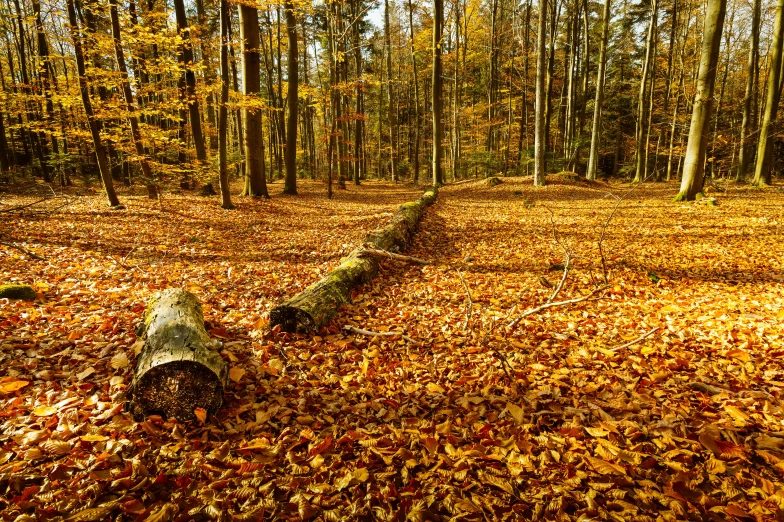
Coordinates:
[186,59]
[417,109]
[642,108]
[290,186]
[540,137]
[100,151]
[762,168]
[256,183]
[359,121]
[747,124]
[223,112]
[437,93]
[596,126]
[694,162]
[128,95]
[392,117]
[43,74]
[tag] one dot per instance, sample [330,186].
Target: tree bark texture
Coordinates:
[177,370]
[223,112]
[315,306]
[747,124]
[762,168]
[540,139]
[437,94]
[694,161]
[290,154]
[593,158]
[256,182]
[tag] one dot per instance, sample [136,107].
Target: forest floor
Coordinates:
[564,414]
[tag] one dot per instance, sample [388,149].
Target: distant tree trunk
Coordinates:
[100,151]
[437,93]
[186,59]
[256,181]
[417,110]
[492,88]
[540,138]
[747,124]
[128,95]
[43,74]
[642,107]
[694,161]
[290,185]
[223,112]
[596,126]
[555,15]
[391,109]
[762,168]
[356,8]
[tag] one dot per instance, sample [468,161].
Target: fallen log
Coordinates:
[313,307]
[14,291]
[177,370]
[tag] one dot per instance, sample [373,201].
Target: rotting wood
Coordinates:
[177,370]
[313,307]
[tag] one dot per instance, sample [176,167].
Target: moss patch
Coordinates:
[12,291]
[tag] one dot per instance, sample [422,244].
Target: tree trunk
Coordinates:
[762,168]
[417,110]
[392,117]
[540,139]
[223,112]
[312,308]
[437,94]
[290,185]
[251,86]
[127,94]
[43,74]
[694,162]
[186,60]
[100,151]
[747,124]
[596,126]
[177,370]
[642,107]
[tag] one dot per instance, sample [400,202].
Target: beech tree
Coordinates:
[694,162]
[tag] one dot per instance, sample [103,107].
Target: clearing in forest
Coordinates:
[568,413]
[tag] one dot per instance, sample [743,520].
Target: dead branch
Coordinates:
[22,207]
[552,304]
[637,340]
[392,255]
[23,250]
[361,331]
[470,306]
[563,277]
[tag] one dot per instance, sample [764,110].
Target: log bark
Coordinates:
[312,308]
[177,371]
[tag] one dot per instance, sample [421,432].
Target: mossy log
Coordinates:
[177,370]
[492,182]
[316,305]
[13,291]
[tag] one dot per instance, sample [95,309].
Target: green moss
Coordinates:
[680,197]
[12,291]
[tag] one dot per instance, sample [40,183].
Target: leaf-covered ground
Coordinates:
[559,415]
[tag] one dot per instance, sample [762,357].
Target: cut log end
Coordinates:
[176,371]
[292,319]
[175,390]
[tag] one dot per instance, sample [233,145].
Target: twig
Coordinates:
[470,306]
[558,303]
[563,278]
[391,255]
[22,207]
[361,331]
[24,250]
[635,341]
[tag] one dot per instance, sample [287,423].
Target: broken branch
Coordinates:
[637,340]
[23,250]
[552,304]
[392,255]
[362,331]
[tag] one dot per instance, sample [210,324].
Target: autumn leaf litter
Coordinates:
[475,420]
